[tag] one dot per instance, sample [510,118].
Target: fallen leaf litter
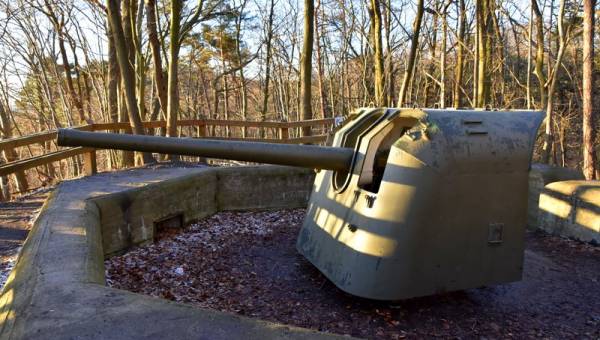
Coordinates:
[246,263]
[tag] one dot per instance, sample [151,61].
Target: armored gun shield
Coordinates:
[433,201]
[407,203]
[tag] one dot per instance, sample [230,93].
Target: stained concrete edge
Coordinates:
[571,209]
[541,175]
[57,287]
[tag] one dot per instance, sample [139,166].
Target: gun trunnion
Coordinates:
[409,202]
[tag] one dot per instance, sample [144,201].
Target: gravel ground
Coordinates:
[246,263]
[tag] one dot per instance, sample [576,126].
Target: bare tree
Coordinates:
[306,64]
[153,39]
[57,17]
[319,24]
[539,55]
[408,71]
[529,56]
[564,36]
[484,14]
[269,54]
[240,62]
[460,51]
[589,133]
[178,31]
[375,11]
[127,72]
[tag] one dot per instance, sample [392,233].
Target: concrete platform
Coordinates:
[571,209]
[57,288]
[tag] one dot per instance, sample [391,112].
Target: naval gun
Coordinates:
[407,202]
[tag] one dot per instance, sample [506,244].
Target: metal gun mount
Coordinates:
[410,202]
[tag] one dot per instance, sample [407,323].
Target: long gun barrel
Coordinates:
[308,156]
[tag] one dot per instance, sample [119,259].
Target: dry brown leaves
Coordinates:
[246,263]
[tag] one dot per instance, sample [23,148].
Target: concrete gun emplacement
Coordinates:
[408,202]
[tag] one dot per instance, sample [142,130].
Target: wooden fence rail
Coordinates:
[202,125]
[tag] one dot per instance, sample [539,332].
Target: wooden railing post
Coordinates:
[202,132]
[20,176]
[90,166]
[284,133]
[202,129]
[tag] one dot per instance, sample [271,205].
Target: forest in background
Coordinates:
[70,62]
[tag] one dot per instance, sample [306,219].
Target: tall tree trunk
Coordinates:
[159,76]
[589,155]
[238,48]
[408,72]
[306,65]
[443,55]
[320,71]
[127,72]
[475,43]
[460,51]
[389,79]
[529,56]
[113,90]
[551,85]
[269,54]
[501,59]
[433,60]
[378,57]
[128,157]
[484,13]
[69,79]
[82,96]
[113,78]
[58,24]
[9,154]
[173,90]
[539,52]
[140,60]
[225,83]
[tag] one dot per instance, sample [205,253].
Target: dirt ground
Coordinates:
[246,263]
[15,221]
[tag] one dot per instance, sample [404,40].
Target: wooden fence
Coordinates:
[202,130]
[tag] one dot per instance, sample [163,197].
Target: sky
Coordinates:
[92,30]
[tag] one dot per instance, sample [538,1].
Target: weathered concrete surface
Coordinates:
[541,175]
[571,209]
[128,217]
[57,287]
[281,187]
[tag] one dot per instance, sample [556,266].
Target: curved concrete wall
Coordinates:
[571,209]
[128,217]
[539,176]
[57,287]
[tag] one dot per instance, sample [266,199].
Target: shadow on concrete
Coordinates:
[571,209]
